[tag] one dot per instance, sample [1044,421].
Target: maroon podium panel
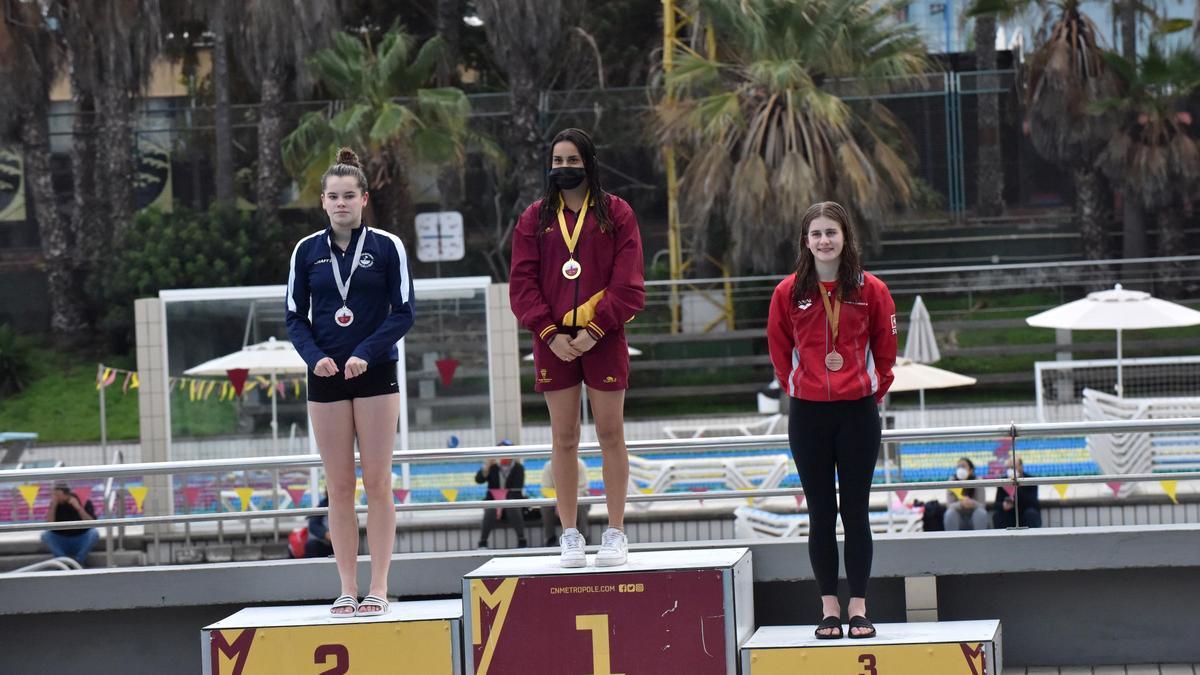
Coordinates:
[600,622]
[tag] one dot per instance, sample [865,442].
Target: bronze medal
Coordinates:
[834,361]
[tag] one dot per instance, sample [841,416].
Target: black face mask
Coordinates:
[567,177]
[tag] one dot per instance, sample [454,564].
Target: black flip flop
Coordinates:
[826,623]
[860,622]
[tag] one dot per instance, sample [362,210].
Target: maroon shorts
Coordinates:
[604,367]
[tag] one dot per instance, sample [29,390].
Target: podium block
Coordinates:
[936,648]
[414,638]
[661,612]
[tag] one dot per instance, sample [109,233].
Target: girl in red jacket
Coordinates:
[576,279]
[832,337]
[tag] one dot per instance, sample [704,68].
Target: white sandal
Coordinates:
[376,601]
[344,601]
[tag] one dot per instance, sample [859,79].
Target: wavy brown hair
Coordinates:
[850,270]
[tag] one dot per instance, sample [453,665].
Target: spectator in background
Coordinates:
[550,520]
[77,543]
[1004,512]
[969,512]
[507,474]
[319,545]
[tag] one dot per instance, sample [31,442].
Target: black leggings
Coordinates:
[843,435]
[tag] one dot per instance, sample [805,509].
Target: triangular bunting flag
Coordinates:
[237,378]
[1010,489]
[208,388]
[296,388]
[446,368]
[190,495]
[958,492]
[134,383]
[1168,487]
[30,493]
[595,492]
[901,494]
[1115,486]
[244,494]
[401,495]
[549,492]
[1061,489]
[139,496]
[799,501]
[646,490]
[84,494]
[450,494]
[499,493]
[125,384]
[296,493]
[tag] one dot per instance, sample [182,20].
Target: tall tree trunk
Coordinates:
[1134,231]
[1171,242]
[223,125]
[990,172]
[449,26]
[1129,14]
[525,135]
[1089,212]
[66,307]
[89,222]
[118,159]
[270,163]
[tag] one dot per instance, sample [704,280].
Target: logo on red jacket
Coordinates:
[804,304]
[893,324]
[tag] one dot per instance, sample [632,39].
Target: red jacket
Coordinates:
[799,337]
[544,300]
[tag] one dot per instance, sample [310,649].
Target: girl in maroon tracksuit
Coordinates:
[576,278]
[832,337]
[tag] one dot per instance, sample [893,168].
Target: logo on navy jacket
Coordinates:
[366,260]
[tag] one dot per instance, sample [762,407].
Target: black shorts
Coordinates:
[378,379]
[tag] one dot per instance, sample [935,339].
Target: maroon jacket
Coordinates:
[544,300]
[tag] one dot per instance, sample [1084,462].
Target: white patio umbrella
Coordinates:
[1118,310]
[918,377]
[921,346]
[273,358]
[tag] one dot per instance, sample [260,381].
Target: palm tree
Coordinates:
[220,21]
[275,38]
[769,132]
[387,114]
[989,184]
[30,59]
[1152,157]
[1067,72]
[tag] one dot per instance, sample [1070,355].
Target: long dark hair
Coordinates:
[969,492]
[547,212]
[850,270]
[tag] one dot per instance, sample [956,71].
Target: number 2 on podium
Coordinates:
[597,624]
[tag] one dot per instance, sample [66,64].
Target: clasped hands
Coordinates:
[568,349]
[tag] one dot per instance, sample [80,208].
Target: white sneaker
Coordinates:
[614,548]
[571,547]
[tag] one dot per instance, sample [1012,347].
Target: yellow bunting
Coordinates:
[1168,487]
[549,492]
[30,493]
[1061,489]
[244,494]
[296,388]
[139,496]
[192,390]
[134,381]
[208,389]
[450,494]
[646,490]
[958,492]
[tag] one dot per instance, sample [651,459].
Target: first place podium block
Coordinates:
[414,638]
[662,612]
[936,648]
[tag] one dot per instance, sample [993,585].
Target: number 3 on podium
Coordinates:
[601,653]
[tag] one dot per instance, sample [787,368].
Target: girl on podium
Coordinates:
[356,282]
[576,279]
[831,332]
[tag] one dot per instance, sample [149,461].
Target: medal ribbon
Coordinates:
[344,286]
[831,314]
[571,239]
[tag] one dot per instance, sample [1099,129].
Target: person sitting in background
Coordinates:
[550,521]
[318,544]
[969,512]
[77,543]
[509,475]
[1004,512]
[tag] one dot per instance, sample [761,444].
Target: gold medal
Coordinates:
[572,269]
[834,361]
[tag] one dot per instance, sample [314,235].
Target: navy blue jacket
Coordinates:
[381,297]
